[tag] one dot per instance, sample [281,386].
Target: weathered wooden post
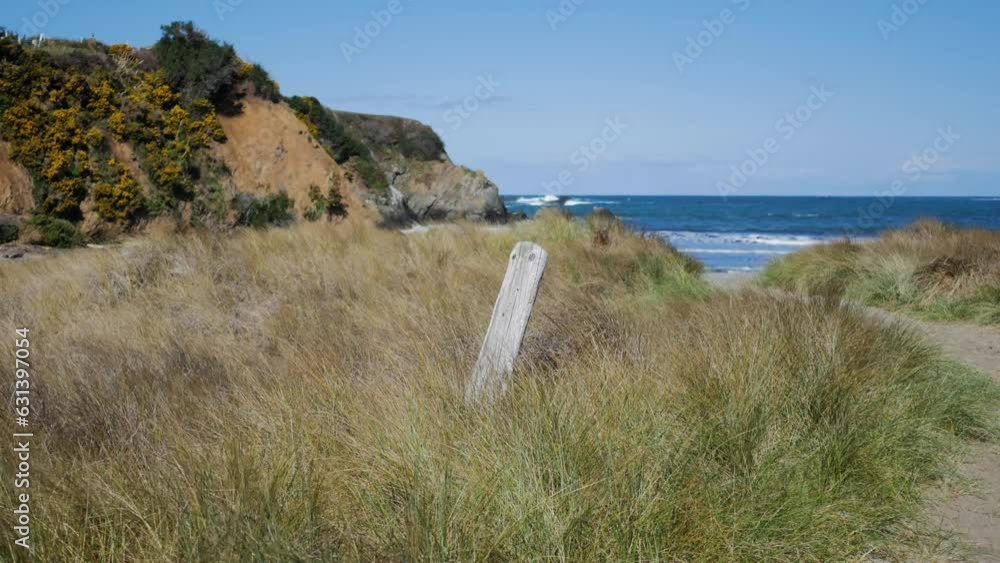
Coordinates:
[510,319]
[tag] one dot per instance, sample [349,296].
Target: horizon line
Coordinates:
[985,197]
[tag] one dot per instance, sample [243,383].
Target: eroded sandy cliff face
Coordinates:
[15,186]
[269,150]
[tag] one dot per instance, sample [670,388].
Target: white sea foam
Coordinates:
[691,237]
[796,215]
[572,202]
[733,251]
[547,199]
[541,201]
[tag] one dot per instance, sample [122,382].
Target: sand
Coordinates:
[730,280]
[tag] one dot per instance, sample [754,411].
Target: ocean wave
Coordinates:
[733,251]
[795,215]
[572,202]
[547,200]
[538,201]
[692,237]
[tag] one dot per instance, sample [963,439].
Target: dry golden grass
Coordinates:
[296,395]
[940,271]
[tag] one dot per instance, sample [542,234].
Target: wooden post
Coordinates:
[510,319]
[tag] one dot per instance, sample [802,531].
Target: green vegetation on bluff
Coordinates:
[410,139]
[326,129]
[934,270]
[297,395]
[196,66]
[344,147]
[67,108]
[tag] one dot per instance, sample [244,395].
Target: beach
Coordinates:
[744,234]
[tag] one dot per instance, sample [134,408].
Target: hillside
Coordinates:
[101,140]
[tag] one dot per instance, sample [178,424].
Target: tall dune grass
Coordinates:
[296,395]
[935,270]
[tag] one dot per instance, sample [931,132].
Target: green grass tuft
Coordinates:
[929,269]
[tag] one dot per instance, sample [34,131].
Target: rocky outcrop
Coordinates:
[442,191]
[424,184]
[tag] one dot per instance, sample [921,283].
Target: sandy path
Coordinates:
[974,515]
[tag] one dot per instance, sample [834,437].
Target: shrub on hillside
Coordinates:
[343,146]
[83,56]
[54,232]
[10,49]
[118,197]
[335,137]
[260,80]
[370,174]
[413,140]
[10,228]
[196,65]
[59,117]
[252,211]
[54,143]
[329,205]
[423,144]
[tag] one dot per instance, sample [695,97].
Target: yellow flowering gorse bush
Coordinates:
[61,122]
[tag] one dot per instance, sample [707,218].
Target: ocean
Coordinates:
[745,233]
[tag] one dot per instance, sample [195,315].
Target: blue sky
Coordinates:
[560,70]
